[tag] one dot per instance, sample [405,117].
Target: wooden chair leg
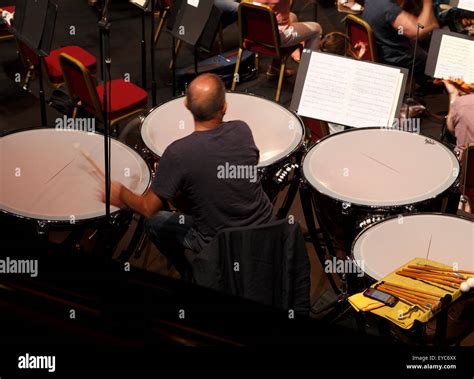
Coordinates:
[28,77]
[235,79]
[75,109]
[176,51]
[163,16]
[280,80]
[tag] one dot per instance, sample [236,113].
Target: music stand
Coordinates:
[196,23]
[147,6]
[34,25]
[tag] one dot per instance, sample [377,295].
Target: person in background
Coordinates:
[395,31]
[460,122]
[292,32]
[229,9]
[460,118]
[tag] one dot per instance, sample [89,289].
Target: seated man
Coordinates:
[292,32]
[395,31]
[194,167]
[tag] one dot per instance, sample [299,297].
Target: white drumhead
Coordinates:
[277,132]
[389,244]
[380,167]
[44,176]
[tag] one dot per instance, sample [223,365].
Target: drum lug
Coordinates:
[410,208]
[282,173]
[114,218]
[42,227]
[346,208]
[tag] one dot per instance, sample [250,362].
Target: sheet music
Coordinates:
[194,3]
[455,59]
[141,3]
[349,92]
[466,4]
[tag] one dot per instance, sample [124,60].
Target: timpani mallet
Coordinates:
[86,155]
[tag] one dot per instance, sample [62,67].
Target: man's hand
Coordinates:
[116,189]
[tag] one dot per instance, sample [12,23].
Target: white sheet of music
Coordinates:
[466,4]
[455,59]
[139,2]
[350,92]
[194,3]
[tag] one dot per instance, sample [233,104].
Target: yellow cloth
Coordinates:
[362,303]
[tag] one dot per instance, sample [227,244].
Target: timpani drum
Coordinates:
[389,244]
[278,133]
[361,176]
[45,178]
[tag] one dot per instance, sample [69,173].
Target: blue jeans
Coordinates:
[171,234]
[229,11]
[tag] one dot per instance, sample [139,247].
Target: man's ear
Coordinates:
[186,102]
[224,108]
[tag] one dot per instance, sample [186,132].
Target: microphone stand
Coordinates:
[410,100]
[104,28]
[152,54]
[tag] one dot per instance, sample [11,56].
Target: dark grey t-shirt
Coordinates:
[393,48]
[215,172]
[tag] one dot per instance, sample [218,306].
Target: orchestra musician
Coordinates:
[460,118]
[292,32]
[395,31]
[229,9]
[191,166]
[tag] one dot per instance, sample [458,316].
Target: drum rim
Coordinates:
[389,218]
[368,206]
[297,148]
[84,220]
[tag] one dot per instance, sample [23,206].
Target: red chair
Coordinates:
[359,30]
[467,176]
[127,99]
[51,67]
[5,33]
[319,129]
[259,33]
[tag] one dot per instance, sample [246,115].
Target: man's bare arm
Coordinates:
[147,204]
[406,23]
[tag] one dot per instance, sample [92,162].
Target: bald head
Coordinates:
[205,97]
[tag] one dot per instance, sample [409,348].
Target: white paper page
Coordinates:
[466,4]
[140,2]
[455,59]
[349,92]
[194,3]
